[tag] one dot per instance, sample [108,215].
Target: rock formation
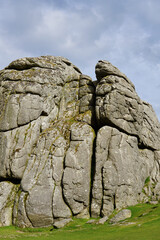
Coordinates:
[70,146]
[127,144]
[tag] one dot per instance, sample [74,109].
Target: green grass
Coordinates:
[147,180]
[144,224]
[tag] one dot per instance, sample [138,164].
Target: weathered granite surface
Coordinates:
[73,147]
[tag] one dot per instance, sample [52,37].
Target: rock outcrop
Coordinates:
[127,144]
[70,146]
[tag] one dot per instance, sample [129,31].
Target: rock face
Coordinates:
[127,144]
[70,147]
[46,140]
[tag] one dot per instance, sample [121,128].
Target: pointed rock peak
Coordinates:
[104,68]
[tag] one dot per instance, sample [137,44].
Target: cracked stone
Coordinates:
[73,147]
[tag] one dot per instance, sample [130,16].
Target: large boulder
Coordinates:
[121,171]
[127,144]
[46,108]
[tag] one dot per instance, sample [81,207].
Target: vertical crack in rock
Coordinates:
[114,201]
[25,213]
[63,196]
[102,198]
[93,172]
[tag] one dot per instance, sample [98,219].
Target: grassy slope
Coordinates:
[144,224]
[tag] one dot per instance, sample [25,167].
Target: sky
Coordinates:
[124,32]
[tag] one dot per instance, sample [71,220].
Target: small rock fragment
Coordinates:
[122,215]
[102,220]
[91,221]
[153,202]
[62,223]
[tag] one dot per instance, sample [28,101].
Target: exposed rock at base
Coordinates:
[122,215]
[73,147]
[102,220]
[62,223]
[153,202]
[7,195]
[91,221]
